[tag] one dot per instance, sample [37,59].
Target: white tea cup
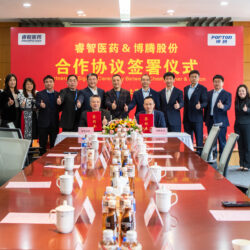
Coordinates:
[68,161]
[64,217]
[156,173]
[241,244]
[94,137]
[90,154]
[95,144]
[164,200]
[143,159]
[65,183]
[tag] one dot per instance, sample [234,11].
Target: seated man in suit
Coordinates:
[117,98]
[95,104]
[92,80]
[171,101]
[219,102]
[141,94]
[149,104]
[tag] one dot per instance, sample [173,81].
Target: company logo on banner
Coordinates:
[221,39]
[31,38]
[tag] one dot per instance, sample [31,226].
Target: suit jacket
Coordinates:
[191,114]
[70,115]
[159,120]
[242,117]
[219,115]
[123,99]
[87,93]
[47,116]
[172,115]
[83,118]
[138,100]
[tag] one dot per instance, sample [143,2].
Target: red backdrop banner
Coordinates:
[130,52]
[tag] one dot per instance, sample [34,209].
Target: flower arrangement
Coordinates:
[122,125]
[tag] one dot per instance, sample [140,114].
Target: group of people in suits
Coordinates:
[199,105]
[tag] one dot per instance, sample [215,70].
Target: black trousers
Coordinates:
[197,129]
[243,144]
[176,128]
[43,134]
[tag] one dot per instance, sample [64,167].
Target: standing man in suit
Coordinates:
[149,105]
[141,94]
[171,101]
[195,100]
[117,98]
[70,104]
[91,89]
[219,102]
[48,113]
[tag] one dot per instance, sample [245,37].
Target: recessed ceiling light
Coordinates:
[170,12]
[223,3]
[124,6]
[26,5]
[80,13]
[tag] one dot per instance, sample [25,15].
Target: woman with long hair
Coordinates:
[242,125]
[27,100]
[9,102]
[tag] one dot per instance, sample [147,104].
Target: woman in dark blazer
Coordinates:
[9,102]
[242,125]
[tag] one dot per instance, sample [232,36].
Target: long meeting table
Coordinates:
[189,224]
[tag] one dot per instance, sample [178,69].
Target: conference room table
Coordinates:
[188,225]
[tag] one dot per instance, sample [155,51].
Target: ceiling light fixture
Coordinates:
[223,3]
[124,6]
[170,12]
[26,5]
[80,13]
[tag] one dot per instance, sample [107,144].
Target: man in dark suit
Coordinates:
[48,114]
[171,101]
[141,94]
[195,100]
[219,102]
[95,104]
[149,105]
[70,105]
[117,98]
[92,80]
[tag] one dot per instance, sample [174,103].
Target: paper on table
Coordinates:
[76,148]
[154,141]
[78,179]
[89,209]
[60,166]
[195,186]
[37,184]
[59,155]
[29,218]
[231,215]
[156,148]
[160,156]
[175,168]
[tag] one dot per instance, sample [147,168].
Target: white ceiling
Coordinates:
[12,9]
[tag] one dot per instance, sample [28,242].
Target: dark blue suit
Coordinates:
[48,118]
[172,115]
[193,118]
[87,93]
[138,100]
[159,120]
[219,115]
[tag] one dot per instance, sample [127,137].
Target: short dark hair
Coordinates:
[116,75]
[7,79]
[146,75]
[168,74]
[218,77]
[149,97]
[72,76]
[48,77]
[92,74]
[194,72]
[95,96]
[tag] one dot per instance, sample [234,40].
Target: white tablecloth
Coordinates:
[184,137]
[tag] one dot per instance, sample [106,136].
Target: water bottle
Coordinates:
[84,148]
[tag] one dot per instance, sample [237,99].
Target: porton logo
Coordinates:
[31,38]
[221,39]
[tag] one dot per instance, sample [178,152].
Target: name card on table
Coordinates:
[94,119]
[85,130]
[159,131]
[105,151]
[60,166]
[160,156]
[103,161]
[182,186]
[147,122]
[29,184]
[78,179]
[60,155]
[150,211]
[89,209]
